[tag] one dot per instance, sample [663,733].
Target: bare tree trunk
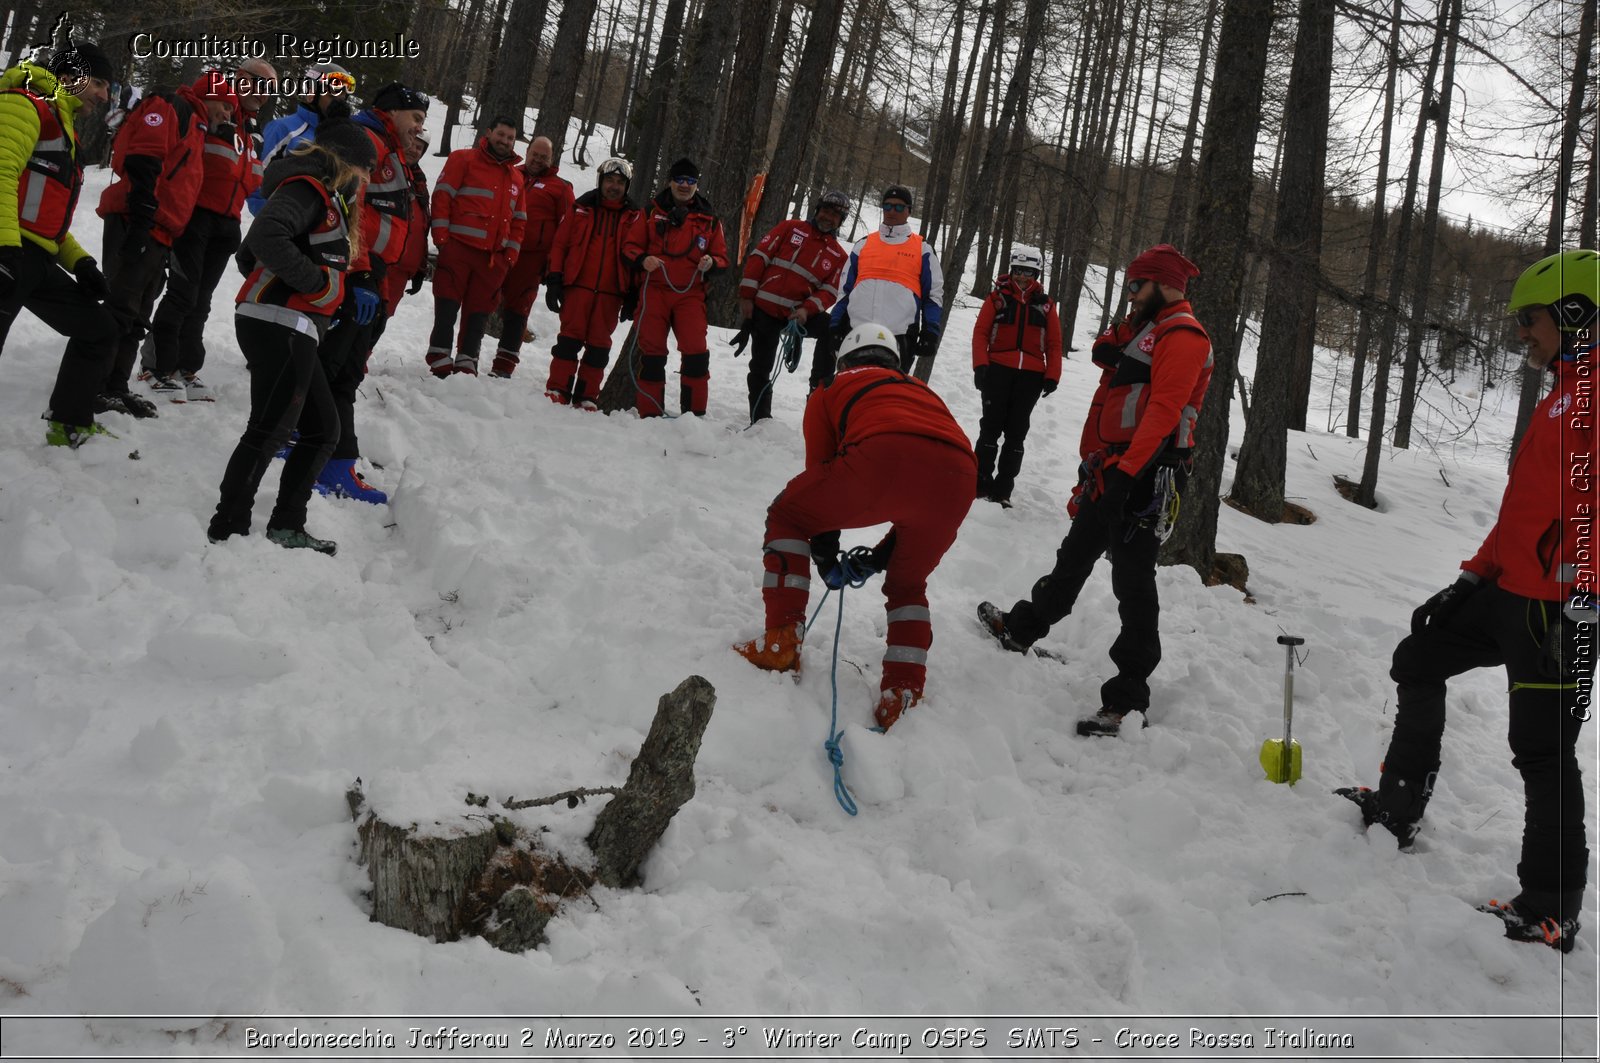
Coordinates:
[597,85]
[654,120]
[1534,381]
[566,67]
[1367,492]
[977,136]
[766,93]
[513,73]
[1175,229]
[689,126]
[946,127]
[622,133]
[1288,322]
[1423,272]
[1378,235]
[497,30]
[1116,250]
[1218,245]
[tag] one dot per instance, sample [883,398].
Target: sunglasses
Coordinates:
[1133,287]
[688,181]
[1025,271]
[1527,316]
[900,207]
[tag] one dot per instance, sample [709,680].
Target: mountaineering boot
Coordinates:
[170,387]
[1533,916]
[776,651]
[300,539]
[993,620]
[124,402]
[894,702]
[1107,723]
[196,390]
[57,434]
[339,479]
[1396,804]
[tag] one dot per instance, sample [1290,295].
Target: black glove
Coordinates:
[824,549]
[927,343]
[741,339]
[245,259]
[978,373]
[417,280]
[555,292]
[10,269]
[630,304]
[1438,609]
[135,243]
[1115,495]
[91,281]
[1048,387]
[1105,353]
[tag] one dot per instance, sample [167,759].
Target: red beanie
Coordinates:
[1163,264]
[214,85]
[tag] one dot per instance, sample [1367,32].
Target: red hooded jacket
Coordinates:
[681,246]
[165,135]
[588,247]
[870,401]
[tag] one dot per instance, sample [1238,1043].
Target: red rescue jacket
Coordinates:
[229,169]
[386,203]
[169,129]
[679,236]
[588,247]
[871,401]
[477,201]
[1149,398]
[546,199]
[1018,327]
[1542,542]
[795,264]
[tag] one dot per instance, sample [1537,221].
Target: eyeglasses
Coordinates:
[897,207]
[1132,287]
[1525,317]
[688,182]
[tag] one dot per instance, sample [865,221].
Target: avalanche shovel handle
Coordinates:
[1281,759]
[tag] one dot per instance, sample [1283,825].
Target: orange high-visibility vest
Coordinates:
[900,263]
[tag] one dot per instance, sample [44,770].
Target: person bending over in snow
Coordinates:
[1136,457]
[1525,600]
[880,448]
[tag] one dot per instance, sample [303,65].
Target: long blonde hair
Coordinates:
[344,175]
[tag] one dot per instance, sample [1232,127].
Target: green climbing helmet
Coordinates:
[1568,283]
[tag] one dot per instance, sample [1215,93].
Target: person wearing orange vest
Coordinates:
[202,253]
[880,448]
[590,286]
[298,251]
[157,157]
[894,279]
[1016,358]
[1136,452]
[40,179]
[676,243]
[478,219]
[792,274]
[546,199]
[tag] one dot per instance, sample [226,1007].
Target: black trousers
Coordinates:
[51,295]
[288,390]
[135,285]
[1009,396]
[199,258]
[826,352]
[765,331]
[1133,548]
[1495,627]
[344,357]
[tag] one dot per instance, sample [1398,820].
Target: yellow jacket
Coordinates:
[19,132]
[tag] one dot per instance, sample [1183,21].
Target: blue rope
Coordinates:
[852,577]
[788,357]
[644,295]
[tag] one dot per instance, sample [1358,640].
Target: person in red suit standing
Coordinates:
[676,243]
[546,199]
[477,226]
[880,448]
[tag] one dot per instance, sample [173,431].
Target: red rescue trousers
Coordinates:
[684,313]
[922,486]
[469,276]
[522,283]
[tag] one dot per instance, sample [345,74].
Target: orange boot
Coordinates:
[893,702]
[776,651]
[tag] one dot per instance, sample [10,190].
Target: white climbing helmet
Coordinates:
[868,344]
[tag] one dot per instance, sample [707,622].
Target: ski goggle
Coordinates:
[339,77]
[1025,271]
[686,181]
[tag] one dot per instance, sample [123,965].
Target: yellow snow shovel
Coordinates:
[1281,757]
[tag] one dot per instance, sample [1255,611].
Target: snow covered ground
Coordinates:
[179,723]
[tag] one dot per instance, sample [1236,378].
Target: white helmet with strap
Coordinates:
[869,344]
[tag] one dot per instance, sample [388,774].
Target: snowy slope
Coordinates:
[179,721]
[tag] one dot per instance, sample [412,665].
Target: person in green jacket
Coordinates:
[42,267]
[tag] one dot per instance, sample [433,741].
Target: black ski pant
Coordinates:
[1133,547]
[1495,627]
[51,295]
[765,331]
[1009,396]
[288,391]
[199,258]
[135,286]
[344,357]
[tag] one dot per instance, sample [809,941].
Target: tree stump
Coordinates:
[483,875]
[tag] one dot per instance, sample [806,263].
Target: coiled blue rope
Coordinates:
[644,290]
[854,569]
[788,357]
